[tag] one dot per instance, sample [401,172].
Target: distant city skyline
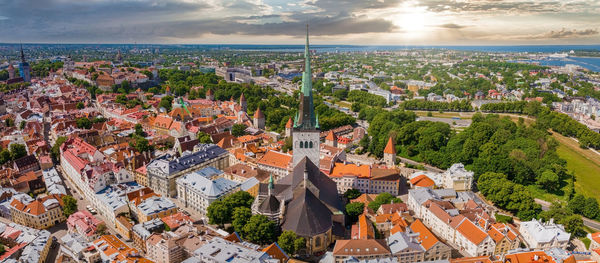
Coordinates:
[366,22]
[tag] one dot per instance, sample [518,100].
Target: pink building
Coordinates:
[84,223]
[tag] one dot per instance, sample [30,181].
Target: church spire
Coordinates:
[22,54]
[306,118]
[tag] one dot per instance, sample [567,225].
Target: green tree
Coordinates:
[5,156]
[238,130]
[140,143]
[55,150]
[166,102]
[17,151]
[2,249]
[69,205]
[352,193]
[238,199]
[260,230]
[290,242]
[383,198]
[22,125]
[354,210]
[83,123]
[204,137]
[577,204]
[574,225]
[80,105]
[241,216]
[591,209]
[139,130]
[549,180]
[218,213]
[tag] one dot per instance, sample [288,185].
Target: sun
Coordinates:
[412,19]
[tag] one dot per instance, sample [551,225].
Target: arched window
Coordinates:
[301,144]
[311,144]
[318,242]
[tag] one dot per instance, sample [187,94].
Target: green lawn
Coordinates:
[587,172]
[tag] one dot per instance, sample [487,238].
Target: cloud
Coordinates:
[451,26]
[573,33]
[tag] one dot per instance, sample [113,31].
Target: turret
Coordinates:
[243,103]
[389,153]
[259,119]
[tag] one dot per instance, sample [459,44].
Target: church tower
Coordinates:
[306,130]
[24,69]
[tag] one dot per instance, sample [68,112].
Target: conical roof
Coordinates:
[331,136]
[289,124]
[269,205]
[307,216]
[389,148]
[258,114]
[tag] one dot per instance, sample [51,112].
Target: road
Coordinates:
[426,166]
[595,225]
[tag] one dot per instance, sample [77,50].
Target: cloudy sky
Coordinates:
[369,22]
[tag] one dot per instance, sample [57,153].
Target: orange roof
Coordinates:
[162,121]
[341,169]
[176,220]
[471,232]
[276,252]
[276,159]
[422,181]
[365,228]
[596,237]
[482,259]
[233,237]
[361,247]
[331,136]
[529,257]
[364,198]
[495,234]
[258,114]
[389,148]
[248,138]
[289,123]
[427,239]
[111,245]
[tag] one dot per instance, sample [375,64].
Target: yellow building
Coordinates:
[40,214]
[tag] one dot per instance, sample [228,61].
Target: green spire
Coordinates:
[307,74]
[306,115]
[271,181]
[317,126]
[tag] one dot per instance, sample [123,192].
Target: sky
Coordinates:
[350,22]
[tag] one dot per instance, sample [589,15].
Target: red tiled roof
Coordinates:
[276,159]
[471,232]
[422,181]
[389,147]
[427,239]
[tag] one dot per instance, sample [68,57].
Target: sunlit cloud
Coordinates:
[282,21]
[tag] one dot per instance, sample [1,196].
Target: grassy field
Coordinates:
[583,162]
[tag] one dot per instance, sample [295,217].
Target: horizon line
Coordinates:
[348,45]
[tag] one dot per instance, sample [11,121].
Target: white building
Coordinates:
[198,192]
[539,235]
[458,178]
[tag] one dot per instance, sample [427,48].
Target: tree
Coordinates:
[140,143]
[383,198]
[80,105]
[290,242]
[549,180]
[101,229]
[204,137]
[139,130]
[354,210]
[22,125]
[2,249]
[241,216]
[238,199]
[577,204]
[218,213]
[17,151]
[55,150]
[352,193]
[4,156]
[260,230]
[591,209]
[83,123]
[574,225]
[69,205]
[238,130]
[166,102]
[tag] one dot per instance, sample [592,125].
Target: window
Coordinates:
[318,242]
[310,145]
[301,144]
